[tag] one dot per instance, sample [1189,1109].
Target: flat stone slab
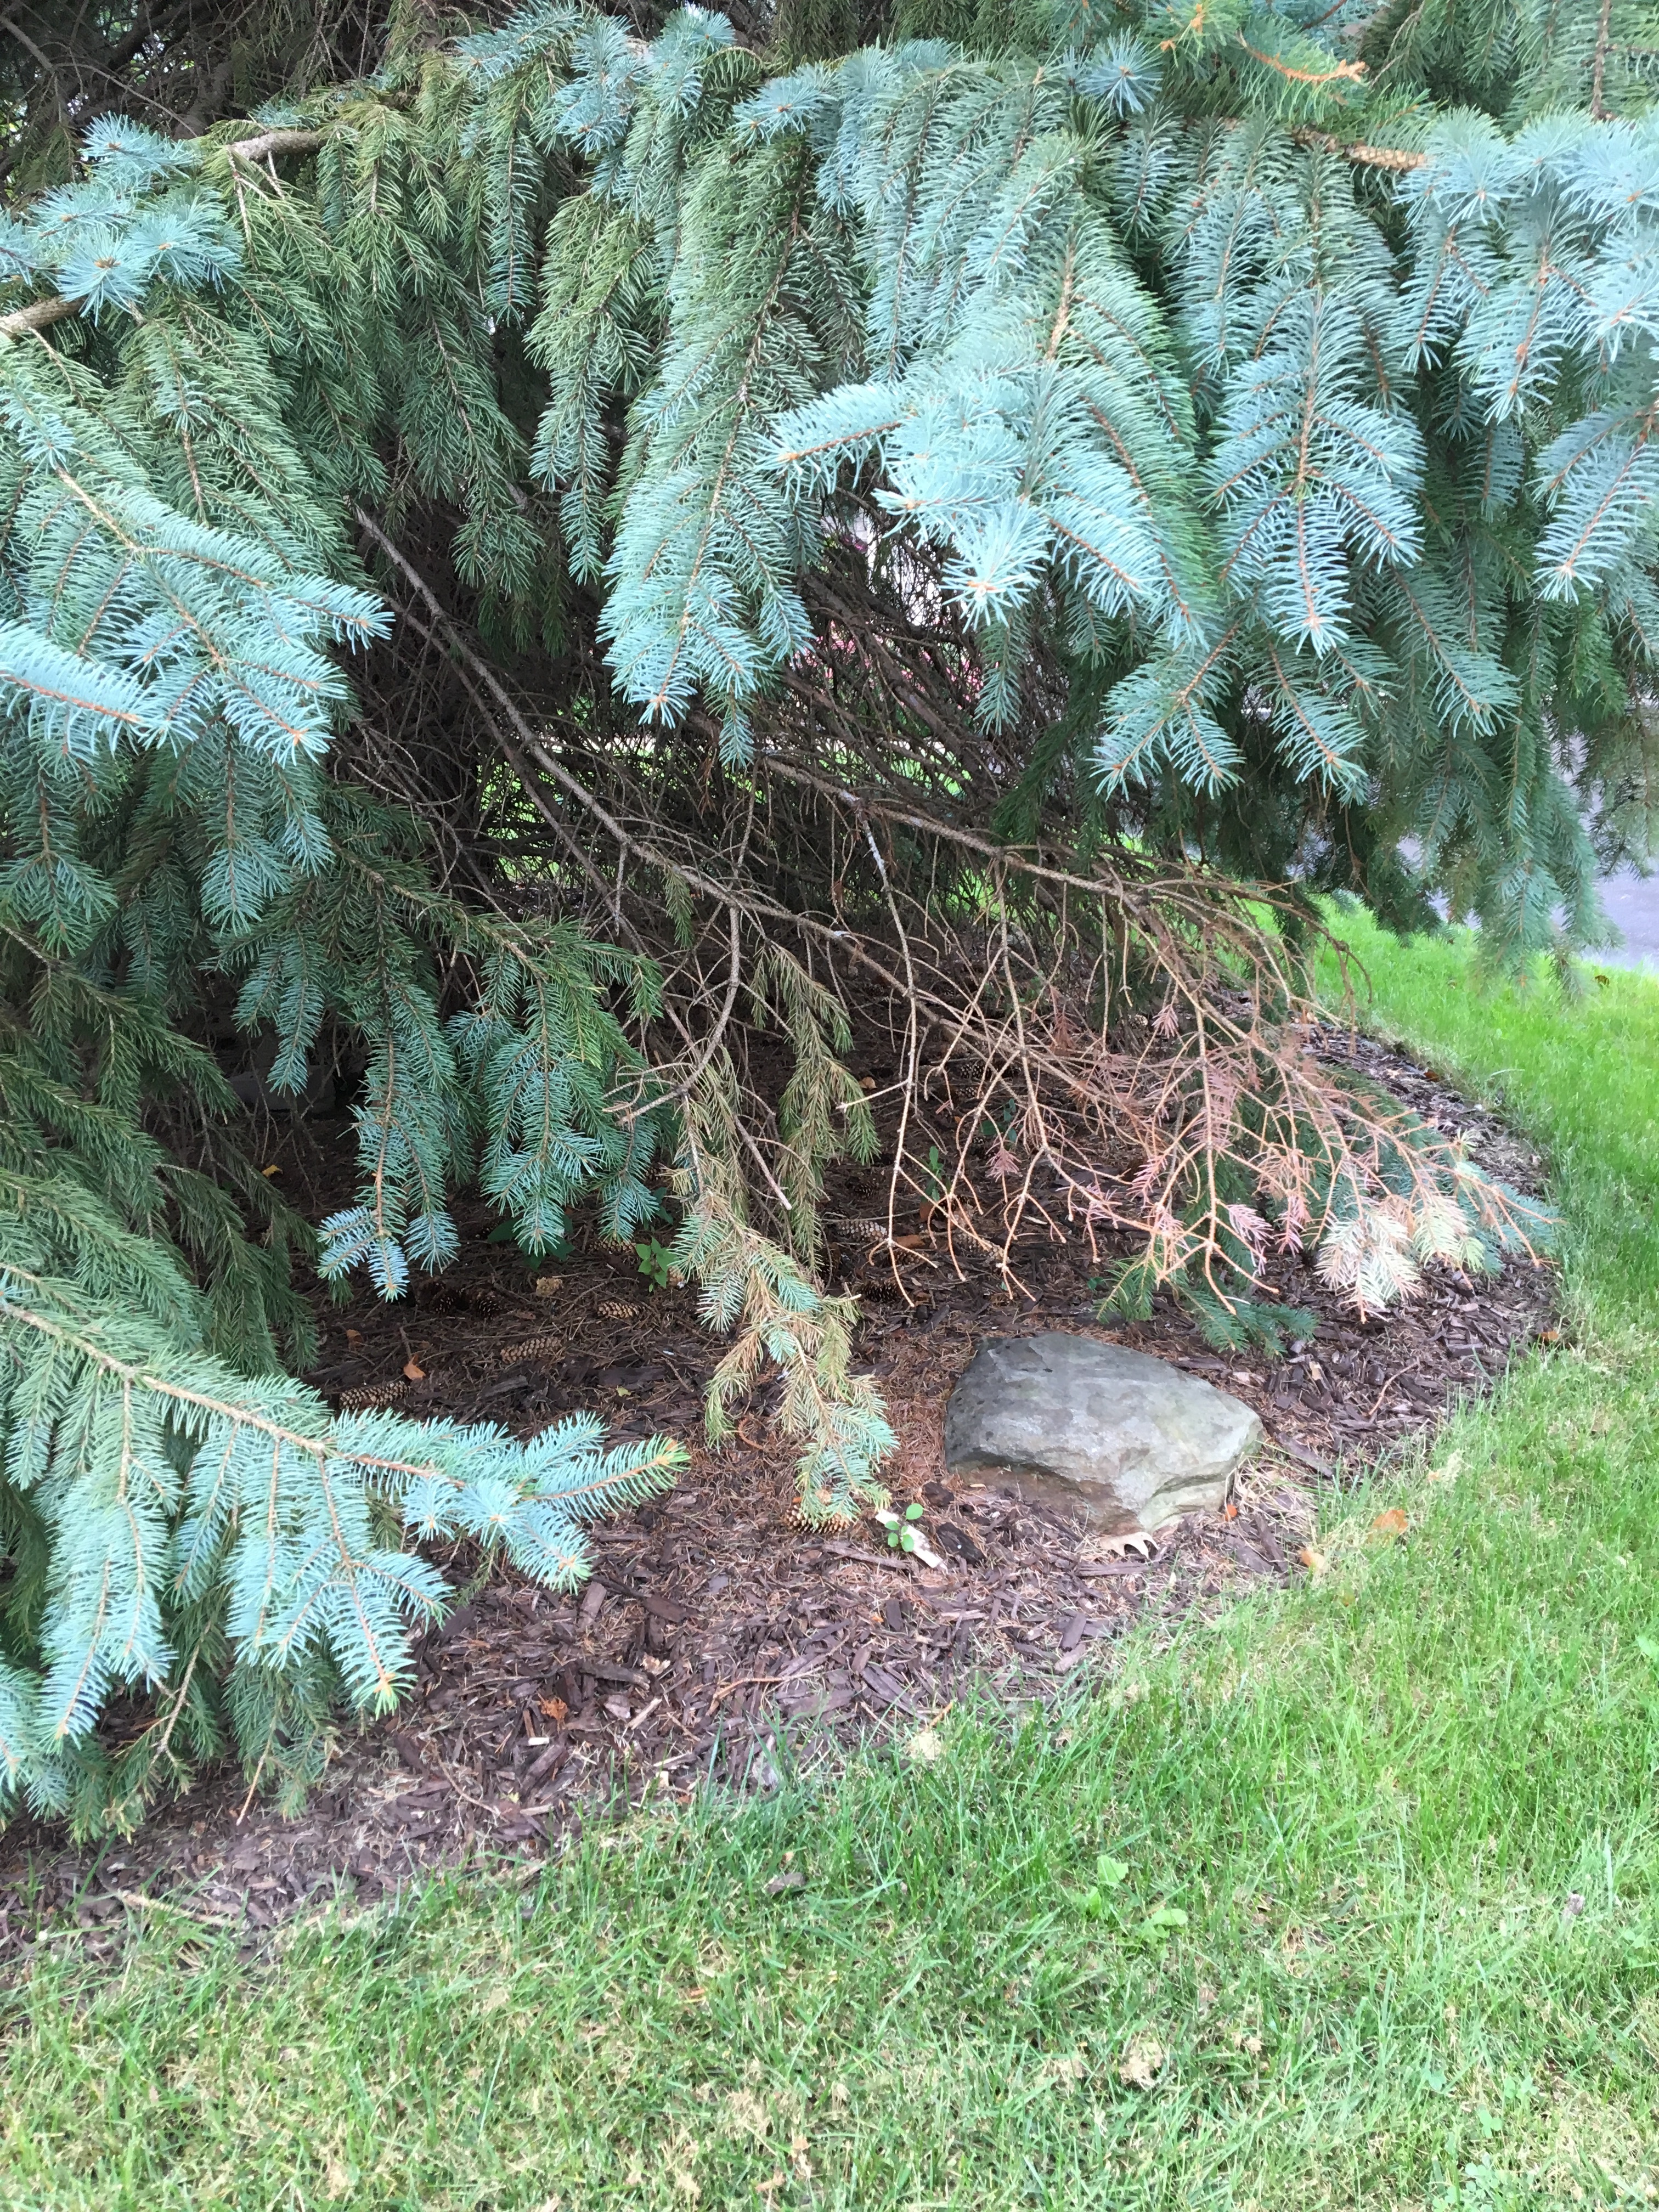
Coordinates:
[1126,1440]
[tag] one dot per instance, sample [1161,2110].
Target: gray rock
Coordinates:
[1126,1440]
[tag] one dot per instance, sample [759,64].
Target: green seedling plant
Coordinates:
[656,1263]
[902,1533]
[1110,1874]
[1107,1899]
[1160,1924]
[505,1232]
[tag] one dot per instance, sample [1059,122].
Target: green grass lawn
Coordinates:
[1377,1922]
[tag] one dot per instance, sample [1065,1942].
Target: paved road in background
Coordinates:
[1632,905]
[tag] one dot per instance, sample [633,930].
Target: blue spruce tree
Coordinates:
[594,570]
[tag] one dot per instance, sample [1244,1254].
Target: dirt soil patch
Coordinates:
[718,1640]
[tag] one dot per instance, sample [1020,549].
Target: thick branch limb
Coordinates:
[1599,67]
[39,315]
[269,142]
[1397,158]
[52,307]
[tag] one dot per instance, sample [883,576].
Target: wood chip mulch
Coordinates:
[720,1643]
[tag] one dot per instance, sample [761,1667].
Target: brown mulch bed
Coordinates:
[719,1642]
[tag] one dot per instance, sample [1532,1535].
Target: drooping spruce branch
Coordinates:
[176,1503]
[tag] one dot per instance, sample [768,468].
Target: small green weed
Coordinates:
[656,1263]
[505,1232]
[902,1530]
